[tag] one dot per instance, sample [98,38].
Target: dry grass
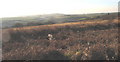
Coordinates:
[86,40]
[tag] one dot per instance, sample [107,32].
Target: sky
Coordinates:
[14,8]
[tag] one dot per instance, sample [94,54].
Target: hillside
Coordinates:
[84,40]
[53,19]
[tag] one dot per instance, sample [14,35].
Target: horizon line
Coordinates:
[57,13]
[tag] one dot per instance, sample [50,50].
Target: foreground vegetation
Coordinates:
[85,40]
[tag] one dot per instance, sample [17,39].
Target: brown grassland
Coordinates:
[85,40]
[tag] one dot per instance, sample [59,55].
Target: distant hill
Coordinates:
[52,19]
